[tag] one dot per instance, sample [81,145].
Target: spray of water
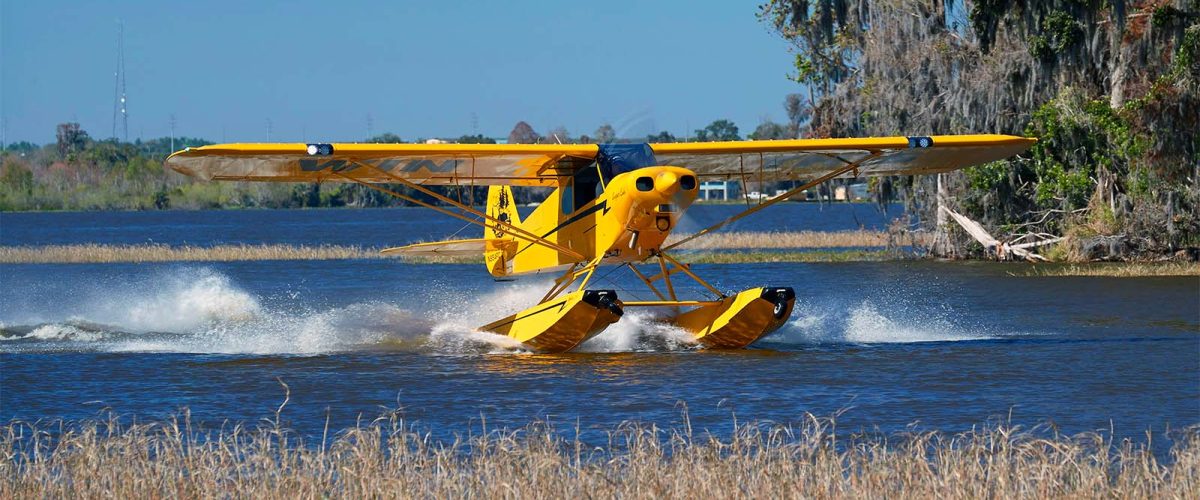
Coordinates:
[639,331]
[203,311]
[200,310]
[871,322]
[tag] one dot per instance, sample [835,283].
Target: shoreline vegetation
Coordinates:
[154,252]
[390,457]
[717,248]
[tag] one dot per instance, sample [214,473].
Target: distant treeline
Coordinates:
[78,172]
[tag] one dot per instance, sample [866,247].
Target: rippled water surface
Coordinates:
[941,344]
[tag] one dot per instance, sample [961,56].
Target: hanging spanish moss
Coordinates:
[1110,88]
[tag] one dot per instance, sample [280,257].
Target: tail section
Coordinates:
[498,255]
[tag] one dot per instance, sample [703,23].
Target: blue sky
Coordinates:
[420,69]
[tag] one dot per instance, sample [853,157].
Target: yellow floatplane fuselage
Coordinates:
[619,216]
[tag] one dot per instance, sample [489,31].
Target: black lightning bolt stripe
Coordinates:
[603,205]
[575,218]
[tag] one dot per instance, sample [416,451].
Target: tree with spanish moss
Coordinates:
[1108,87]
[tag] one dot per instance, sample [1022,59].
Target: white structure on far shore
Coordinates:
[719,190]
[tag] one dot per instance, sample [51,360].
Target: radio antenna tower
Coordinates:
[119,100]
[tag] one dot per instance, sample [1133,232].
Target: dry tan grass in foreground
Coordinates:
[387,459]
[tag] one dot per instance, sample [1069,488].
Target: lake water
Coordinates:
[377,227]
[944,345]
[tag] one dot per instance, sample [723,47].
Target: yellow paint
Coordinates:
[867,143]
[623,224]
[736,321]
[557,325]
[501,206]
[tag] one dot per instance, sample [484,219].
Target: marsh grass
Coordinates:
[784,240]
[105,253]
[839,255]
[101,253]
[1116,269]
[389,458]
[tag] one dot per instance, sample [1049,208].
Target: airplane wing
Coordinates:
[428,164]
[801,159]
[542,164]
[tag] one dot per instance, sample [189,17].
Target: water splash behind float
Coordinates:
[871,322]
[200,310]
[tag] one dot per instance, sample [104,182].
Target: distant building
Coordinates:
[719,190]
[852,192]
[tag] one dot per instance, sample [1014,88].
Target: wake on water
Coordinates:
[203,311]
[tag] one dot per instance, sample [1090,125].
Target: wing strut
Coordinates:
[776,199]
[495,223]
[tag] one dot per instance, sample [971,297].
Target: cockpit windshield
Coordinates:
[616,159]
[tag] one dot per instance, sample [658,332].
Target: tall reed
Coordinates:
[108,253]
[105,253]
[390,458]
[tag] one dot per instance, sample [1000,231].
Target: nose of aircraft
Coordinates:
[659,185]
[667,183]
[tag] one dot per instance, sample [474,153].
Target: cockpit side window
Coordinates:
[587,186]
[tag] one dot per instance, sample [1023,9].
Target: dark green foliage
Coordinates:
[70,138]
[475,139]
[720,130]
[768,130]
[385,138]
[661,137]
[161,147]
[1110,88]
[1060,32]
[22,147]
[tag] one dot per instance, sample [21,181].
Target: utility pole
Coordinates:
[172,119]
[269,130]
[119,97]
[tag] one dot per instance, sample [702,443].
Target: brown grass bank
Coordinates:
[735,240]
[387,459]
[105,253]
[98,253]
[1117,269]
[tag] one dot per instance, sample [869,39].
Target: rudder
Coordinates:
[500,205]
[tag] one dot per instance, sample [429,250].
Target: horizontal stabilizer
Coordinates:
[451,248]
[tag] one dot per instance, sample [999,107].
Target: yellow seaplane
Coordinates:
[611,204]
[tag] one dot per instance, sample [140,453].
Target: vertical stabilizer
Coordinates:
[500,205]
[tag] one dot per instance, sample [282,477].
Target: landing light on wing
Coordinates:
[319,149]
